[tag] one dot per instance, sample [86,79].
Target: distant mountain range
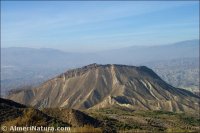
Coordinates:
[30,67]
[102,86]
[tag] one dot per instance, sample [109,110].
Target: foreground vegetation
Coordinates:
[115,119]
[127,120]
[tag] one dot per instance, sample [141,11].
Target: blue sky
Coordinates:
[97,25]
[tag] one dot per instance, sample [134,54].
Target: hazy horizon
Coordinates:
[104,49]
[97,25]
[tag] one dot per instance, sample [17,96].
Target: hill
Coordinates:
[15,114]
[100,86]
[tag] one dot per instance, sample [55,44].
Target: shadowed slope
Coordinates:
[75,118]
[13,114]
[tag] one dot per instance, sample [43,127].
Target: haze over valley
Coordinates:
[26,67]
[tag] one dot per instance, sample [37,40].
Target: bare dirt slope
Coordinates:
[99,86]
